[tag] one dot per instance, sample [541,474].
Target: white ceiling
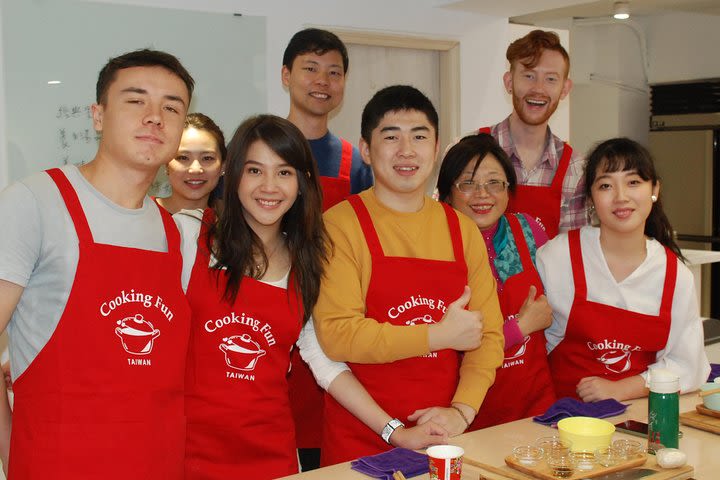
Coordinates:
[535,11]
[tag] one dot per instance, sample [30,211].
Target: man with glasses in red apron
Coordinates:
[315,63]
[409,287]
[550,174]
[90,293]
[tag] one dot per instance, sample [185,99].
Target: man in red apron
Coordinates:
[314,67]
[90,293]
[408,287]
[550,175]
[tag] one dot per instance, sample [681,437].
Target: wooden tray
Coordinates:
[681,473]
[543,471]
[706,411]
[701,421]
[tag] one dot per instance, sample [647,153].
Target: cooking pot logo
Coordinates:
[617,361]
[241,352]
[424,319]
[136,334]
[519,351]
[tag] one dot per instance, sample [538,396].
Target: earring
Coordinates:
[222,173]
[653,198]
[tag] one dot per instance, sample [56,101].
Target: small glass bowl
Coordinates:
[550,445]
[627,449]
[528,455]
[584,460]
[607,456]
[561,465]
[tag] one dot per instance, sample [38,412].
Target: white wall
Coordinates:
[683,46]
[610,97]
[680,47]
[483,40]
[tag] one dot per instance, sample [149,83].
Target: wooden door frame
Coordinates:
[449,50]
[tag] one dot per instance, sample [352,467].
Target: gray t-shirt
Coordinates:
[39,250]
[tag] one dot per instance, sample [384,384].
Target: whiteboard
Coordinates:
[70,41]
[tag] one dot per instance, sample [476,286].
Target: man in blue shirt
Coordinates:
[314,67]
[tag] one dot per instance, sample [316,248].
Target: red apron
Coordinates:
[606,341]
[402,291]
[523,386]
[337,189]
[539,201]
[104,397]
[308,397]
[237,402]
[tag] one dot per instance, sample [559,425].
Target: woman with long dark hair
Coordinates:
[623,301]
[252,271]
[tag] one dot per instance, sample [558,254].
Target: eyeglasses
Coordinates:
[492,187]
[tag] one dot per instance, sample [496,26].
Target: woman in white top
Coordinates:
[622,300]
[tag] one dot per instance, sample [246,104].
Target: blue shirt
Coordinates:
[327,151]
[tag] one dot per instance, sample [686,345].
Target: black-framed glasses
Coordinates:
[492,187]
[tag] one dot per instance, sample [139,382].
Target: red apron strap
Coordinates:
[562,167]
[345,160]
[669,286]
[520,242]
[72,202]
[366,223]
[484,130]
[171,232]
[576,262]
[455,233]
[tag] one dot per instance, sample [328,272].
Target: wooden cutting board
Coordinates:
[543,471]
[710,422]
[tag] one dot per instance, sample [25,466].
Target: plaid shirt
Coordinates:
[573,213]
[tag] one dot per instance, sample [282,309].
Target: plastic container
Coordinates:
[663,409]
[586,433]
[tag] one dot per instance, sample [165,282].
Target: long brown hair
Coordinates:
[234,243]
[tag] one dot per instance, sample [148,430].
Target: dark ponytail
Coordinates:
[623,154]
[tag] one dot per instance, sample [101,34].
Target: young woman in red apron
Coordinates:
[542,202]
[605,349]
[103,398]
[244,322]
[475,178]
[400,387]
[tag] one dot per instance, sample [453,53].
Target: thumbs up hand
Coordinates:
[459,329]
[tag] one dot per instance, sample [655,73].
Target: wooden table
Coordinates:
[493,444]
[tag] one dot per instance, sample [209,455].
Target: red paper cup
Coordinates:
[445,462]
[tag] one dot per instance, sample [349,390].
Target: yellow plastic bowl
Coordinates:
[586,433]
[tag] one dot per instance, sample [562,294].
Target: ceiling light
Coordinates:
[54,82]
[622,10]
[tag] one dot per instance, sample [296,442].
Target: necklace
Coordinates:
[259,267]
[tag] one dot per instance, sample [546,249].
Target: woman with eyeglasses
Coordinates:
[477,178]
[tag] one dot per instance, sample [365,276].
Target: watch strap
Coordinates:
[389,428]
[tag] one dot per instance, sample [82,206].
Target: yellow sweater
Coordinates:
[347,335]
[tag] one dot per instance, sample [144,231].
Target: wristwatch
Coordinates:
[389,428]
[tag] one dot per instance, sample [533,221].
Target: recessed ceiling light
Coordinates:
[54,82]
[622,10]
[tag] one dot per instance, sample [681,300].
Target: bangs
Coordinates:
[623,163]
